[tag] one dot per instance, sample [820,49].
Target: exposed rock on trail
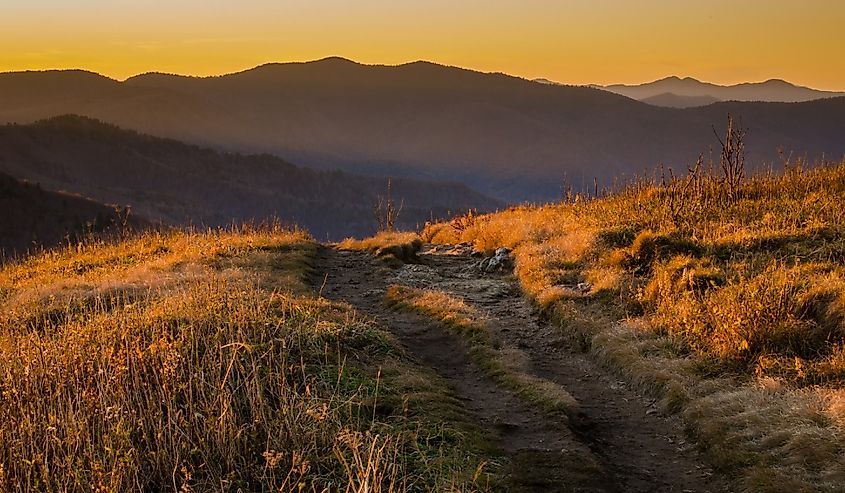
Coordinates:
[619,442]
[500,262]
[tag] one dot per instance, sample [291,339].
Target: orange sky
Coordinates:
[577,41]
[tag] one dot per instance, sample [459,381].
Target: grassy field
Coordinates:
[726,299]
[198,362]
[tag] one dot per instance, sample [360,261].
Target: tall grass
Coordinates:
[199,362]
[755,276]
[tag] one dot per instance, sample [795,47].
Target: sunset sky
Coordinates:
[578,42]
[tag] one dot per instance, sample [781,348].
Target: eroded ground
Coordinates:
[618,440]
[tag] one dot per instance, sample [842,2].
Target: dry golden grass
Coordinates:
[444,307]
[699,295]
[393,246]
[198,362]
[509,366]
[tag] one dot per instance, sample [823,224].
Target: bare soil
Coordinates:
[619,442]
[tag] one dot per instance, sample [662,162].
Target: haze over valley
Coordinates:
[171,183]
[688,92]
[506,137]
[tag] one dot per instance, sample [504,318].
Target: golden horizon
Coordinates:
[577,42]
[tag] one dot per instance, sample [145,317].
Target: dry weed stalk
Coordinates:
[386,212]
[732,158]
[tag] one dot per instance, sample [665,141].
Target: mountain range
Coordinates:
[172,183]
[688,92]
[506,137]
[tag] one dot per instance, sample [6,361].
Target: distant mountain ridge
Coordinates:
[687,92]
[179,184]
[504,136]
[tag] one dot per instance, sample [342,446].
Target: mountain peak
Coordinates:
[778,82]
[338,60]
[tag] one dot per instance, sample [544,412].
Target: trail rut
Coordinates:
[619,441]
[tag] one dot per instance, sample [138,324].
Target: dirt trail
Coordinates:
[620,442]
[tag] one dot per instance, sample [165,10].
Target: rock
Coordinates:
[476,254]
[500,262]
[493,264]
[584,287]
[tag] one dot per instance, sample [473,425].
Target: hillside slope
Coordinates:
[205,362]
[180,184]
[672,100]
[501,135]
[728,308]
[37,218]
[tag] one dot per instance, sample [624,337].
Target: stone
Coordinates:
[493,264]
[499,262]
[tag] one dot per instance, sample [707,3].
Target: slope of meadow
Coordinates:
[199,362]
[727,302]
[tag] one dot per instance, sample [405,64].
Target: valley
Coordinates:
[178,185]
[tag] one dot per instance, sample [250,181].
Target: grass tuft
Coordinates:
[396,248]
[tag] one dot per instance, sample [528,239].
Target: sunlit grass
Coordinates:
[395,247]
[703,297]
[200,362]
